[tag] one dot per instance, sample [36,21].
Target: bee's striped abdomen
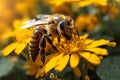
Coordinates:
[34,43]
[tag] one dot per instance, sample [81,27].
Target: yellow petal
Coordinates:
[101,2]
[92,58]
[17,23]
[98,43]
[77,71]
[20,47]
[112,44]
[56,2]
[59,2]
[88,41]
[87,77]
[39,73]
[74,60]
[85,3]
[89,2]
[9,48]
[49,57]
[85,54]
[31,67]
[98,51]
[27,40]
[61,64]
[7,35]
[52,63]
[84,36]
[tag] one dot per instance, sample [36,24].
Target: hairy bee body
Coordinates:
[48,26]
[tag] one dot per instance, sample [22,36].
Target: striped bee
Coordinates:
[47,27]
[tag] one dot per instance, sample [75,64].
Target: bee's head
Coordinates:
[66,28]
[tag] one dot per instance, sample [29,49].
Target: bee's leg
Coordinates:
[59,39]
[51,43]
[42,46]
[76,31]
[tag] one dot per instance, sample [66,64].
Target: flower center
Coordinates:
[75,45]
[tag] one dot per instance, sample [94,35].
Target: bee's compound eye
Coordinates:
[62,25]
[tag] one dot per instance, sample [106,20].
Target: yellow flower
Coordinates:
[4,28]
[22,37]
[63,9]
[23,7]
[58,2]
[34,67]
[71,52]
[111,10]
[86,22]
[81,3]
[84,3]
[117,1]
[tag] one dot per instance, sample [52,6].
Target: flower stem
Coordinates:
[83,68]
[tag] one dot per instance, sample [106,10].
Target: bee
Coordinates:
[47,27]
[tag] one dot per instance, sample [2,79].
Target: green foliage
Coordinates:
[110,68]
[10,70]
[5,66]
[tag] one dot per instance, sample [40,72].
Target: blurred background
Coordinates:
[99,18]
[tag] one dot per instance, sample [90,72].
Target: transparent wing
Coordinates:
[29,21]
[42,16]
[33,22]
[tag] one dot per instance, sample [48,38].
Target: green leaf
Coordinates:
[110,68]
[5,66]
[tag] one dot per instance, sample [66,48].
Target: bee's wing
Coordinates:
[42,16]
[33,22]
[29,21]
